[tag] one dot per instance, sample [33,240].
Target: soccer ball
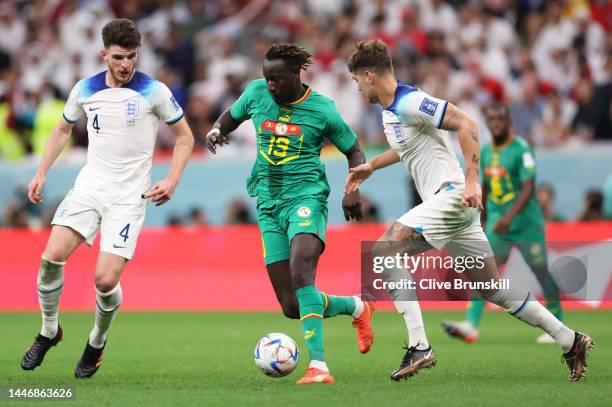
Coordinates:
[276,355]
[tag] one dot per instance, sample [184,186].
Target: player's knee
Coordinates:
[54,254]
[105,283]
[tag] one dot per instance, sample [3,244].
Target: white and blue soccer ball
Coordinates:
[276,355]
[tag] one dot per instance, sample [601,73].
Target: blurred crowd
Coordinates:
[550,61]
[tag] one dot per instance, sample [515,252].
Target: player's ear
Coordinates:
[103,53]
[370,76]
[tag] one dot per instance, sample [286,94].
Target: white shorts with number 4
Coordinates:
[119,224]
[444,221]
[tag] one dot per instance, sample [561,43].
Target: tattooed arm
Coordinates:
[457,121]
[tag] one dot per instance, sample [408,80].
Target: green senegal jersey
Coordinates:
[504,169]
[289,141]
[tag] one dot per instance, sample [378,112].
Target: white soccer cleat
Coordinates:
[463,330]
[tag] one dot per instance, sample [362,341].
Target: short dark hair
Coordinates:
[121,32]
[497,106]
[371,55]
[297,57]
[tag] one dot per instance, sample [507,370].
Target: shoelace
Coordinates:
[408,353]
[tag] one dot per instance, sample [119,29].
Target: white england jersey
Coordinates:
[412,126]
[122,127]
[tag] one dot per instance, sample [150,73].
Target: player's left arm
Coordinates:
[351,203]
[457,121]
[163,190]
[345,139]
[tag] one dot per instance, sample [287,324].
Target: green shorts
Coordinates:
[280,220]
[530,241]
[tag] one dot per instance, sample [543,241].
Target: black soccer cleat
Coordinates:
[577,355]
[90,362]
[413,361]
[35,354]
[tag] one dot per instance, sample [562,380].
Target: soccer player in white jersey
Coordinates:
[123,108]
[414,124]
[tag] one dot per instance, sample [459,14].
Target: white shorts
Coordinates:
[119,224]
[444,221]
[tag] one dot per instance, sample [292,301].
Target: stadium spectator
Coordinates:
[592,208]
[197,217]
[546,197]
[238,213]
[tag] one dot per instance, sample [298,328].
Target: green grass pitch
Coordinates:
[207,359]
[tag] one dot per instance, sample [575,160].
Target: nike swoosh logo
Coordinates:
[91,109]
[119,247]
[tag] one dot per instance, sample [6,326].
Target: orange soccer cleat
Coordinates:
[314,375]
[363,324]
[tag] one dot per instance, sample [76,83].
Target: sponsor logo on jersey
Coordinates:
[428,106]
[281,129]
[131,108]
[304,212]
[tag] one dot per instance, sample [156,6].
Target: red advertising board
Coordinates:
[199,269]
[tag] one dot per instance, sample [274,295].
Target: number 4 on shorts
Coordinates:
[124,232]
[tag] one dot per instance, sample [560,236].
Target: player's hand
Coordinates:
[356,177]
[351,205]
[161,192]
[215,137]
[503,224]
[35,188]
[472,196]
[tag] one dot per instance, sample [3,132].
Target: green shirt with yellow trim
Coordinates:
[289,141]
[504,169]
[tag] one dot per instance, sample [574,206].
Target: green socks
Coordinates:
[311,316]
[336,305]
[474,312]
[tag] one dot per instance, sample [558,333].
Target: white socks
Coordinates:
[535,314]
[358,307]
[50,284]
[107,305]
[411,311]
[319,364]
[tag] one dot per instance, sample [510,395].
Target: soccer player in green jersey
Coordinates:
[513,217]
[292,122]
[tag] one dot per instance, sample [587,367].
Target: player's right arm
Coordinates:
[224,125]
[56,143]
[362,172]
[233,117]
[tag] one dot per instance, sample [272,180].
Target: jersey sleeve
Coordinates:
[527,168]
[338,132]
[165,105]
[241,109]
[418,108]
[73,110]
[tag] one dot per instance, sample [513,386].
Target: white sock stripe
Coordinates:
[42,292]
[109,293]
[106,311]
[56,263]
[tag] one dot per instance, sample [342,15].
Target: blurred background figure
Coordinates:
[546,197]
[238,213]
[593,207]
